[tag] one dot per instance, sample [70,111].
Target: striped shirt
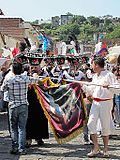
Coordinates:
[17,87]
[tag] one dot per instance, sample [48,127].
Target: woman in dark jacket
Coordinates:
[37,123]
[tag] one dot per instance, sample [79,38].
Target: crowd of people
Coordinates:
[19,99]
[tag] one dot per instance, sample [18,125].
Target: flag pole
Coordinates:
[93,84]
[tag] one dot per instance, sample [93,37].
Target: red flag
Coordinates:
[1,12]
[104,45]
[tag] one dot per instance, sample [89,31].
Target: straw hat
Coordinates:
[112,59]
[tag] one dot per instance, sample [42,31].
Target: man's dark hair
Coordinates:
[99,61]
[17,68]
[22,46]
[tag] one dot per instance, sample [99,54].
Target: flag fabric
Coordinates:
[45,42]
[101,49]
[1,12]
[64,108]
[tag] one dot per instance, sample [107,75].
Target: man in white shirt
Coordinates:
[102,104]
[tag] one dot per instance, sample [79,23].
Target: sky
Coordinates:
[31,10]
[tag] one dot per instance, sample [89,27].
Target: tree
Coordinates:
[36,21]
[68,13]
[78,19]
[88,29]
[86,32]
[64,30]
[46,26]
[108,17]
[107,22]
[94,20]
[114,34]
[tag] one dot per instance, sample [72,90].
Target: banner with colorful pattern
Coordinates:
[64,108]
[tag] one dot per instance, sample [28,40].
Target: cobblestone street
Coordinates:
[74,150]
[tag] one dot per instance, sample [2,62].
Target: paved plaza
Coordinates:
[74,150]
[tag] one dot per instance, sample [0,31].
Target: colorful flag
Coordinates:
[103,49]
[64,108]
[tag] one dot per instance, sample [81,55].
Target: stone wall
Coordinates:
[10,42]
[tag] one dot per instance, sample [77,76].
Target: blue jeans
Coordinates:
[117,103]
[18,118]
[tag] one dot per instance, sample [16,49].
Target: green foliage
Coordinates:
[64,30]
[107,22]
[88,29]
[79,19]
[36,21]
[114,34]
[46,26]
[83,28]
[93,20]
